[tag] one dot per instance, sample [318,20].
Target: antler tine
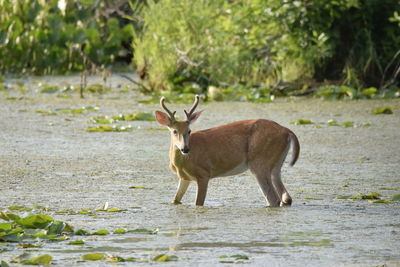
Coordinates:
[171,114]
[196,102]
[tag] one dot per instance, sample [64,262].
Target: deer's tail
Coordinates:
[295,147]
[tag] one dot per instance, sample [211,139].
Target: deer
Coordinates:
[258,145]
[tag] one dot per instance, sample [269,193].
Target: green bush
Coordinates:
[216,42]
[57,36]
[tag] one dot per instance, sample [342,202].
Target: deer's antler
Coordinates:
[171,114]
[190,113]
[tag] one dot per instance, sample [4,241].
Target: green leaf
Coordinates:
[115,210]
[395,197]
[93,257]
[101,232]
[120,231]
[82,232]
[29,245]
[137,116]
[46,112]
[379,201]
[19,208]
[114,258]
[49,89]
[302,122]
[5,227]
[384,110]
[372,195]
[36,221]
[165,257]
[40,260]
[332,123]
[57,228]
[240,257]
[76,242]
[369,91]
[389,188]
[108,128]
[348,124]
[4,264]
[9,216]
[144,230]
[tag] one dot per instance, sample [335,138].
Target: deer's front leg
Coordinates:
[182,187]
[202,185]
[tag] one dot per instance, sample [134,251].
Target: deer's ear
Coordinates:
[163,118]
[194,116]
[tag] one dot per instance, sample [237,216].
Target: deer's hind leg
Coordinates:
[264,179]
[284,196]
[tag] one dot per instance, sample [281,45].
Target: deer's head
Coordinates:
[180,129]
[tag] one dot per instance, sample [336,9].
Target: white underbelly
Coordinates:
[237,170]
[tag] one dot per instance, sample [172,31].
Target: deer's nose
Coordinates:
[185,150]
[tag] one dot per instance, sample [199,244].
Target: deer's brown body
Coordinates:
[258,145]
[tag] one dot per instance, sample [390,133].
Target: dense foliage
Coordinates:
[57,36]
[217,42]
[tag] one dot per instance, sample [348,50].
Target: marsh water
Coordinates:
[51,160]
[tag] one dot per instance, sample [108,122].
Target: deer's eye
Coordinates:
[189,132]
[175,132]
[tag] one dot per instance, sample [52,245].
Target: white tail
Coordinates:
[259,145]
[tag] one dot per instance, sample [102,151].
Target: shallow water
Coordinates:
[52,161]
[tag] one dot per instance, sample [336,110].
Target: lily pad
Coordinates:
[120,231]
[97,88]
[301,122]
[4,227]
[240,257]
[114,258]
[115,210]
[102,120]
[333,123]
[36,221]
[29,245]
[108,128]
[137,116]
[76,242]
[383,110]
[40,260]
[165,257]
[46,112]
[379,201]
[101,232]
[49,89]
[93,256]
[144,230]
[395,197]
[82,232]
[348,124]
[372,195]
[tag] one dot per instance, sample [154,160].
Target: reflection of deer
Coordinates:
[259,145]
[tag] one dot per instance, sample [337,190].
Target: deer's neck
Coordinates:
[176,158]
